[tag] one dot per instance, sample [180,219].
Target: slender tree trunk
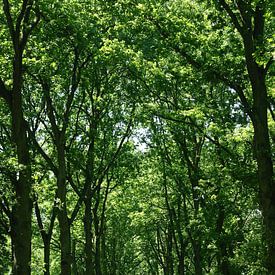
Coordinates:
[104,254]
[102,231]
[65,238]
[98,256]
[47,251]
[196,239]
[170,232]
[74,265]
[223,264]
[88,233]
[97,232]
[21,224]
[182,243]
[88,219]
[22,209]
[192,163]
[181,265]
[197,258]
[169,257]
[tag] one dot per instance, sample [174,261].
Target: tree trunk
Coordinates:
[74,265]
[98,256]
[197,257]
[22,209]
[97,232]
[261,141]
[169,256]
[65,238]
[88,219]
[196,239]
[181,265]
[21,228]
[21,219]
[88,233]
[265,169]
[222,257]
[182,243]
[47,247]
[104,254]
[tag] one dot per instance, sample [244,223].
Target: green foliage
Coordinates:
[141,98]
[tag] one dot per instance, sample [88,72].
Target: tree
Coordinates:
[20,28]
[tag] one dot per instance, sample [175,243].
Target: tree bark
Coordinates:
[265,165]
[22,209]
[20,29]
[64,226]
[88,219]
[97,228]
[98,256]
[88,233]
[74,265]
[47,252]
[262,146]
[252,28]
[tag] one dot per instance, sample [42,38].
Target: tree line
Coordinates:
[137,137]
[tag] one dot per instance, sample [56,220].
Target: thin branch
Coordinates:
[126,134]
[29,30]
[53,216]
[73,185]
[6,8]
[39,219]
[76,210]
[21,16]
[208,69]
[5,93]
[196,126]
[75,79]
[268,64]
[5,207]
[42,152]
[232,16]
[259,22]
[51,111]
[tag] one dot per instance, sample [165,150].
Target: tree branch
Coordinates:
[232,16]
[21,16]
[6,8]
[5,93]
[4,206]
[28,31]
[208,70]
[268,64]
[42,152]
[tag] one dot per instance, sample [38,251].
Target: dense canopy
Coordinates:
[137,137]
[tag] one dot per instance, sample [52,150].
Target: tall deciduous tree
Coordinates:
[21,19]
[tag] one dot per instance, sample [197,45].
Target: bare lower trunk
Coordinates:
[65,242]
[98,256]
[64,226]
[181,265]
[22,209]
[47,257]
[88,234]
[21,232]
[74,265]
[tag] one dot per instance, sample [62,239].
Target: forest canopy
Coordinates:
[137,137]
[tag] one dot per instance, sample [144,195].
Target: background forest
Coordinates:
[137,137]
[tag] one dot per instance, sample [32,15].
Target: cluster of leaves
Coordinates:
[136,98]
